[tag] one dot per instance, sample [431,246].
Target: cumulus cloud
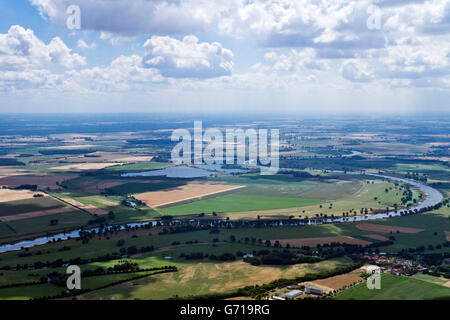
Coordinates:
[124,73]
[20,49]
[303,37]
[321,24]
[165,59]
[421,58]
[26,61]
[188,58]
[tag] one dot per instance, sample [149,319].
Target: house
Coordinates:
[130,203]
[277,298]
[313,290]
[292,294]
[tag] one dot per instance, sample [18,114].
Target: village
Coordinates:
[325,288]
[394,265]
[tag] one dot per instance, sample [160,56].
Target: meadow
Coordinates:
[396,288]
[236,203]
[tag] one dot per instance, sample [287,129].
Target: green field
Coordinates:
[431,222]
[431,279]
[112,203]
[396,288]
[48,290]
[140,166]
[236,203]
[66,220]
[28,205]
[30,292]
[5,231]
[140,187]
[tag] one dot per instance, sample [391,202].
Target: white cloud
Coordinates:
[81,44]
[420,57]
[26,61]
[188,58]
[296,61]
[138,17]
[307,41]
[356,70]
[115,39]
[20,49]
[124,73]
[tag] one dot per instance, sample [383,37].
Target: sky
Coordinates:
[219,56]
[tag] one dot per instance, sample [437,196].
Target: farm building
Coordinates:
[291,295]
[312,290]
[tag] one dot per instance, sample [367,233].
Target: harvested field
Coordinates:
[340,281]
[369,268]
[108,202]
[87,207]
[376,237]
[385,229]
[206,278]
[102,156]
[313,242]
[87,166]
[10,172]
[182,193]
[43,182]
[7,195]
[35,214]
[132,159]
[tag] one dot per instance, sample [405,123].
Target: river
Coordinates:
[433,197]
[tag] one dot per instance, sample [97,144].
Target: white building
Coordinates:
[292,294]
